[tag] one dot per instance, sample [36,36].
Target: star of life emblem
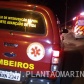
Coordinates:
[35,51]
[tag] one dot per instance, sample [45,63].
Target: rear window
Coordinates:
[24,21]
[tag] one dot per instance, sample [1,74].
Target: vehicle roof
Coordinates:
[34,7]
[17,4]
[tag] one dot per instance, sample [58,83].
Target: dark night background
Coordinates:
[74,7]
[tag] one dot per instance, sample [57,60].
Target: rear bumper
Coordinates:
[39,81]
[27,80]
[3,81]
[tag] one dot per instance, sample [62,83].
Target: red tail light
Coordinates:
[55,60]
[56,53]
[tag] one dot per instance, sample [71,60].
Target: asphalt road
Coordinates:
[73,59]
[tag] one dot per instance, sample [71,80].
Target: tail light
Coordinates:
[55,60]
[56,53]
[54,64]
[80,32]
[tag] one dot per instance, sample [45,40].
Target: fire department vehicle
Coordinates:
[30,49]
[78,28]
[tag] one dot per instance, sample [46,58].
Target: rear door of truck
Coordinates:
[26,38]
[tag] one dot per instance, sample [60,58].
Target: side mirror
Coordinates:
[64,30]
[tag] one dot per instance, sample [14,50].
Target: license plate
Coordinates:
[10,75]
